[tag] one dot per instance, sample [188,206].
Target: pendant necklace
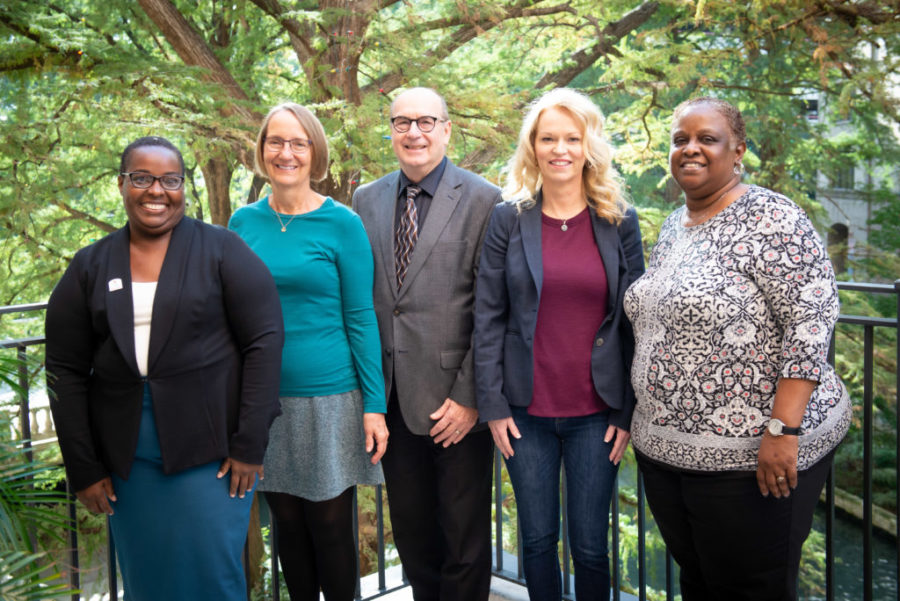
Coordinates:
[564,227]
[280,222]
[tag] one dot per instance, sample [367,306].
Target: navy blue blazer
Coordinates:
[214,359]
[507,297]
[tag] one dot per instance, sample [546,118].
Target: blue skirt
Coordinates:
[179,536]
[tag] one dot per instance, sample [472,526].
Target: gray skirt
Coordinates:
[317,447]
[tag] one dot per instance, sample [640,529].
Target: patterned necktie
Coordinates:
[407,234]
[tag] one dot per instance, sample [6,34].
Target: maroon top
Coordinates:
[572,307]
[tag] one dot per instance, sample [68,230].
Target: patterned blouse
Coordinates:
[725,309]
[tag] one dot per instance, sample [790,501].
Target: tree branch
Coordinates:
[298,34]
[82,216]
[605,44]
[469,30]
[194,51]
[75,20]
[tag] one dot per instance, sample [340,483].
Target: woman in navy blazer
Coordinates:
[553,347]
[163,355]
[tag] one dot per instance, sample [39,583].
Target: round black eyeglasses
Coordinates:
[142,181]
[425,124]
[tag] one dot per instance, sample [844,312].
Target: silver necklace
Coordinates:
[280,222]
[564,227]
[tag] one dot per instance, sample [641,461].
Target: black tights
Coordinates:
[316,545]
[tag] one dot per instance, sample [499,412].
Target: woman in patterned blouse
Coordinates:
[738,411]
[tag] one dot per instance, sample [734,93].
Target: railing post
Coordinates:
[498,512]
[566,588]
[868,426]
[829,535]
[897,431]
[670,577]
[829,506]
[358,592]
[111,562]
[24,409]
[379,519]
[276,575]
[616,580]
[74,576]
[642,532]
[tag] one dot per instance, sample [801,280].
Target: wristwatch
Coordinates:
[776,427]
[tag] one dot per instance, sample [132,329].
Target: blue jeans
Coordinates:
[577,444]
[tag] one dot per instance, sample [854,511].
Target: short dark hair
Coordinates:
[149,141]
[726,109]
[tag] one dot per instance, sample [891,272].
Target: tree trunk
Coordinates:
[217,173]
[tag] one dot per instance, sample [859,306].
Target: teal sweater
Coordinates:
[323,267]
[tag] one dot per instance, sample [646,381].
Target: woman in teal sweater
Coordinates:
[331,434]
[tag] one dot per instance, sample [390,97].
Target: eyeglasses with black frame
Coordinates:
[425,123]
[298,145]
[142,181]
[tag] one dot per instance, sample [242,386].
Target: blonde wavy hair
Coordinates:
[602,183]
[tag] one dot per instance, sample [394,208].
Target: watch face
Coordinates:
[775,427]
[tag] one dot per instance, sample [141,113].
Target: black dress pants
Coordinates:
[440,506]
[731,543]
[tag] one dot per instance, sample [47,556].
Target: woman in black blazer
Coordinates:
[163,353]
[553,347]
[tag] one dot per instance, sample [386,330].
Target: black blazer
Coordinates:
[507,297]
[214,358]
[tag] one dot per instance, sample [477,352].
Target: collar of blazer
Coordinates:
[446,198]
[606,235]
[119,302]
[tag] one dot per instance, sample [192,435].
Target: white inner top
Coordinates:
[142,293]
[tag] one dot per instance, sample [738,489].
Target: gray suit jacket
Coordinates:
[426,327]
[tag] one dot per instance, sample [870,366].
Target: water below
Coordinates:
[848,564]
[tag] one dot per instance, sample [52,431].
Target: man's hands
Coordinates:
[453,422]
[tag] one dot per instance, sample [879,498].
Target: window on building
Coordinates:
[810,107]
[844,178]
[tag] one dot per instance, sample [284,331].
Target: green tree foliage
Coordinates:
[78,79]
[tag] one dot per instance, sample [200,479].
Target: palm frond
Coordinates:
[21,578]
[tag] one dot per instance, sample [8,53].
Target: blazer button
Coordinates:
[396,311]
[599,342]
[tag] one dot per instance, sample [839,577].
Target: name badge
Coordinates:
[115,284]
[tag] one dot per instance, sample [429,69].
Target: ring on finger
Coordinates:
[780,479]
[458,432]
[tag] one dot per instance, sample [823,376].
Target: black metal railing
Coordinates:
[502,559]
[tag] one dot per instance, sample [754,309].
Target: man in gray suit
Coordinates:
[426,223]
